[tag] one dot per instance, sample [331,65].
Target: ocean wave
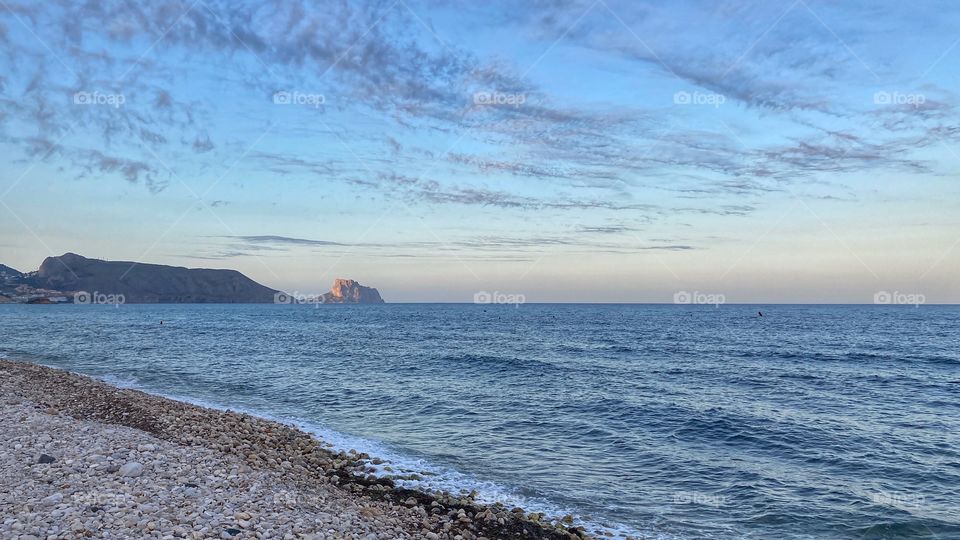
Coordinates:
[483,361]
[616,348]
[850,356]
[407,471]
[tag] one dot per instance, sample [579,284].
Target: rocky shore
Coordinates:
[82,459]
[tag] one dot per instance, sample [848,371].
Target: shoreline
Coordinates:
[50,399]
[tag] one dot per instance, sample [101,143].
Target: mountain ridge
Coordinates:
[74,278]
[143,283]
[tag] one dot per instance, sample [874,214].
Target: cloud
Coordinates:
[674,247]
[109,54]
[394,144]
[516,169]
[288,164]
[720,210]
[787,68]
[480,247]
[202,144]
[474,196]
[274,240]
[605,229]
[255,245]
[131,170]
[787,79]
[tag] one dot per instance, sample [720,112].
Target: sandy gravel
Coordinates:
[82,459]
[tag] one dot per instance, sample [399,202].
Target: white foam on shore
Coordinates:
[432,478]
[122,382]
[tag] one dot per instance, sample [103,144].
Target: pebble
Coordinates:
[132,469]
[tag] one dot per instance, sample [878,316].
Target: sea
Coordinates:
[654,421]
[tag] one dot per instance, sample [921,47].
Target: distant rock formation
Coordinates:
[348,291]
[139,283]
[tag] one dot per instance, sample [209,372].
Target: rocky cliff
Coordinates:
[348,291]
[148,283]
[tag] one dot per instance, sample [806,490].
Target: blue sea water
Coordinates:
[659,420]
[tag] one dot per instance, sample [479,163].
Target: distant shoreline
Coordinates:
[394,303]
[58,400]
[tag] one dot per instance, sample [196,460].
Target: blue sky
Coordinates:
[801,151]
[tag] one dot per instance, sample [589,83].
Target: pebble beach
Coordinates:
[80,458]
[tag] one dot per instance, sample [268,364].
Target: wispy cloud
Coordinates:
[99,89]
[275,240]
[511,247]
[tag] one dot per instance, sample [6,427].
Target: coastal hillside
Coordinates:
[147,283]
[72,278]
[7,272]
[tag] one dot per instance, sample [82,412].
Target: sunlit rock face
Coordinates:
[348,291]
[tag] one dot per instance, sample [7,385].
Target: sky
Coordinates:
[582,151]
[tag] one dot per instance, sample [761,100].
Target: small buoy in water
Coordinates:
[760,313]
[161,323]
